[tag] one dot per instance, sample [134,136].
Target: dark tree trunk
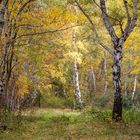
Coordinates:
[117,107]
[2,12]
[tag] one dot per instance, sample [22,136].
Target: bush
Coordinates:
[55,102]
[137,99]
[63,120]
[103,101]
[132,115]
[52,101]
[101,115]
[126,101]
[68,103]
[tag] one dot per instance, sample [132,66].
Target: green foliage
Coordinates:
[52,101]
[102,101]
[61,120]
[101,115]
[137,99]
[126,101]
[132,115]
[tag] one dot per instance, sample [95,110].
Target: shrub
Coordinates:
[53,101]
[103,101]
[101,115]
[137,99]
[132,115]
[126,101]
[63,120]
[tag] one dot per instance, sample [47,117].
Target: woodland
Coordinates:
[69,69]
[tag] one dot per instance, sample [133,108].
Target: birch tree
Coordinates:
[134,87]
[77,91]
[118,42]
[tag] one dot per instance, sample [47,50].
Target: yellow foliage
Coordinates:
[22,84]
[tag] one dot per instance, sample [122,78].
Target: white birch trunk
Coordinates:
[134,88]
[77,92]
[94,80]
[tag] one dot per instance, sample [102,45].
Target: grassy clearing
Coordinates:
[57,124]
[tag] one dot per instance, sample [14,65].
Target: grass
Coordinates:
[58,124]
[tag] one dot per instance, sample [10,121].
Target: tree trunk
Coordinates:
[125,88]
[117,107]
[94,80]
[105,71]
[91,87]
[4,60]
[77,92]
[134,88]
[2,12]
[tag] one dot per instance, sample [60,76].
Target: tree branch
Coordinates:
[23,6]
[96,4]
[131,22]
[108,25]
[2,12]
[46,32]
[127,10]
[94,29]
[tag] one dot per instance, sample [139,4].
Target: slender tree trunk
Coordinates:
[91,81]
[101,68]
[125,88]
[105,71]
[134,88]
[2,12]
[6,63]
[12,100]
[77,92]
[92,84]
[4,59]
[94,80]
[117,107]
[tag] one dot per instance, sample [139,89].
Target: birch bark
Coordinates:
[134,88]
[77,91]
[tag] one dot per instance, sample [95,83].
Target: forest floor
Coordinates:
[58,124]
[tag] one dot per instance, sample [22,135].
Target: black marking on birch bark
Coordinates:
[117,107]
